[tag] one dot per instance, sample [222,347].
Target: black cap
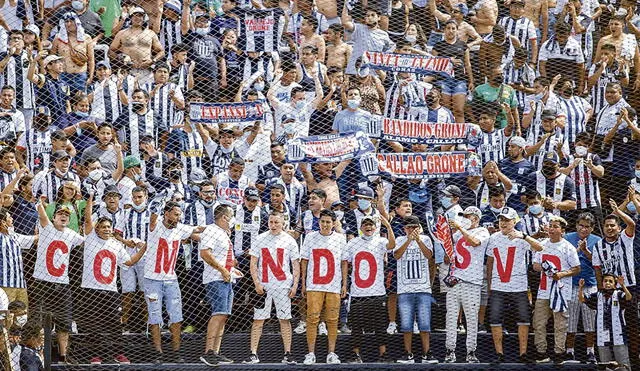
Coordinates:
[411,221]
[452,190]
[252,193]
[59,155]
[111,189]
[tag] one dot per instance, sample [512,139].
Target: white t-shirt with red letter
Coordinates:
[509,272]
[367,260]
[564,256]
[163,245]
[52,260]
[275,254]
[217,240]
[324,254]
[470,260]
[101,258]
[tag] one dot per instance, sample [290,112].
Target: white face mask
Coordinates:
[495,210]
[353,103]
[363,71]
[203,31]
[581,151]
[410,38]
[21,320]
[465,223]
[339,214]
[140,207]
[232,222]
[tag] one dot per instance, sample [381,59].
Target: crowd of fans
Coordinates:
[113,193]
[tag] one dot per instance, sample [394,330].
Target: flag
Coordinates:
[443,233]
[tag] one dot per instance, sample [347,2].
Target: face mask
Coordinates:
[410,38]
[96,175]
[300,104]
[136,177]
[538,96]
[568,92]
[21,320]
[638,174]
[339,214]
[207,203]
[363,71]
[632,207]
[259,86]
[182,204]
[367,238]
[137,106]
[446,202]
[77,5]
[175,173]
[82,114]
[203,31]
[465,223]
[140,207]
[429,100]
[581,151]
[232,221]
[608,292]
[548,170]
[353,103]
[363,204]
[289,129]
[495,210]
[498,79]
[535,209]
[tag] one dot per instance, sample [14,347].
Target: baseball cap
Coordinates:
[337,203]
[471,210]
[559,219]
[59,155]
[518,141]
[508,213]
[365,192]
[367,220]
[197,175]
[551,157]
[61,208]
[252,193]
[549,113]
[111,189]
[43,110]
[104,64]
[173,5]
[452,190]
[51,58]
[411,221]
[137,9]
[33,29]
[517,2]
[131,161]
[286,118]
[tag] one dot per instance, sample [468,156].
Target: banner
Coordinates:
[425,165]
[260,30]
[420,64]
[415,132]
[329,148]
[216,113]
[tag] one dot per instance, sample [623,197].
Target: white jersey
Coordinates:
[324,254]
[616,257]
[564,256]
[101,258]
[470,260]
[275,254]
[367,259]
[509,272]
[217,240]
[162,251]
[54,247]
[413,267]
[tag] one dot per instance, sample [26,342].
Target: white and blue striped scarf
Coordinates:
[557,303]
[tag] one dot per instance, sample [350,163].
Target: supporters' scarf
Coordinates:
[557,303]
[425,165]
[409,63]
[62,29]
[329,148]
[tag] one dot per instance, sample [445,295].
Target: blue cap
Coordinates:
[173,5]
[43,110]
[286,118]
[365,192]
[551,157]
[464,9]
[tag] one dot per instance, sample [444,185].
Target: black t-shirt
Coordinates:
[455,50]
[205,51]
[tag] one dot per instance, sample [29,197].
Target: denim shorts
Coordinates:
[453,87]
[220,297]
[155,292]
[416,306]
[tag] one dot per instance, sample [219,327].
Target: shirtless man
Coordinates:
[76,49]
[494,53]
[139,43]
[310,38]
[485,17]
[338,52]
[537,10]
[329,8]
[458,12]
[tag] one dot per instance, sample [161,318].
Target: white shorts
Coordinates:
[576,308]
[282,302]
[128,277]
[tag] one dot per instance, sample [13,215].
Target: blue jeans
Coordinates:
[155,292]
[453,87]
[220,297]
[75,81]
[416,305]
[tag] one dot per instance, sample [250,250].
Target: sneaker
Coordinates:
[591,358]
[322,329]
[524,358]
[223,360]
[332,359]
[310,359]
[471,357]
[392,328]
[450,357]
[177,356]
[209,359]
[429,358]
[482,328]
[301,328]
[499,359]
[355,358]
[559,358]
[344,329]
[542,358]
[96,361]
[252,359]
[570,358]
[69,360]
[122,359]
[407,358]
[461,329]
[189,329]
[157,359]
[288,359]
[384,358]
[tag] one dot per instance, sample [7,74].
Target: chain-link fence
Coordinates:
[250,182]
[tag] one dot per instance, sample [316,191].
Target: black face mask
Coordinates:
[608,292]
[175,173]
[429,100]
[548,170]
[498,79]
[568,92]
[137,106]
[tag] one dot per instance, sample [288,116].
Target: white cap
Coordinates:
[508,213]
[137,9]
[518,141]
[51,58]
[33,29]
